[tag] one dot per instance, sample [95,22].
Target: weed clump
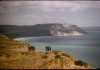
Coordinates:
[46,52]
[55,52]
[44,56]
[80,63]
[24,53]
[65,55]
[57,56]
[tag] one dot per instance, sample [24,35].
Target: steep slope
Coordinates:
[40,60]
[8,43]
[61,29]
[50,29]
[12,58]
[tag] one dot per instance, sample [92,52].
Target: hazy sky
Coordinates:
[81,13]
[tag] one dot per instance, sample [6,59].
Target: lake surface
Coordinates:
[85,47]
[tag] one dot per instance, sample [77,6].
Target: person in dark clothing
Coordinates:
[49,48]
[46,48]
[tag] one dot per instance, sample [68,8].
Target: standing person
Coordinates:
[50,48]
[46,48]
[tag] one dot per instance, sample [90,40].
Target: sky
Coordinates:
[80,13]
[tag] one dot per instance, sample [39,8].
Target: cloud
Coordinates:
[25,19]
[63,5]
[48,10]
[33,12]
[50,6]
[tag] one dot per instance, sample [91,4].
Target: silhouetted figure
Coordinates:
[31,48]
[48,48]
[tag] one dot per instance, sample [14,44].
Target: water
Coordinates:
[85,47]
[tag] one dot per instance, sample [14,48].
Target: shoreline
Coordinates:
[46,36]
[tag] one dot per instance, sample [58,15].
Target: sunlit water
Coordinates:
[85,47]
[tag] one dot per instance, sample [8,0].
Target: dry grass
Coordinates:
[10,59]
[15,56]
[63,54]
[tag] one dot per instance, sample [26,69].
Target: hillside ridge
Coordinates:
[50,29]
[13,57]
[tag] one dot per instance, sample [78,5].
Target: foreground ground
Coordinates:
[10,59]
[15,55]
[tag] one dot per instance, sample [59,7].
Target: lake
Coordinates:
[84,47]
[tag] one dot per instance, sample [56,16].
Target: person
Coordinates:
[49,48]
[46,48]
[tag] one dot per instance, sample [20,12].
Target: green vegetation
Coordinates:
[80,63]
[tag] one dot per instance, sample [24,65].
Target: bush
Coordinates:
[65,55]
[24,53]
[80,63]
[8,55]
[44,56]
[57,56]
[46,52]
[55,52]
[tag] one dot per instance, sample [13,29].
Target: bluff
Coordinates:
[50,29]
[12,58]
[8,43]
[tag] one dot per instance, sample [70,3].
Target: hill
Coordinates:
[50,29]
[40,60]
[8,43]
[12,56]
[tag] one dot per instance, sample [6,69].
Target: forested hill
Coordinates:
[53,29]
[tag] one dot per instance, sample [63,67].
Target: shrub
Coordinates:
[65,55]
[44,56]
[80,63]
[8,55]
[46,52]
[57,56]
[26,53]
[55,52]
